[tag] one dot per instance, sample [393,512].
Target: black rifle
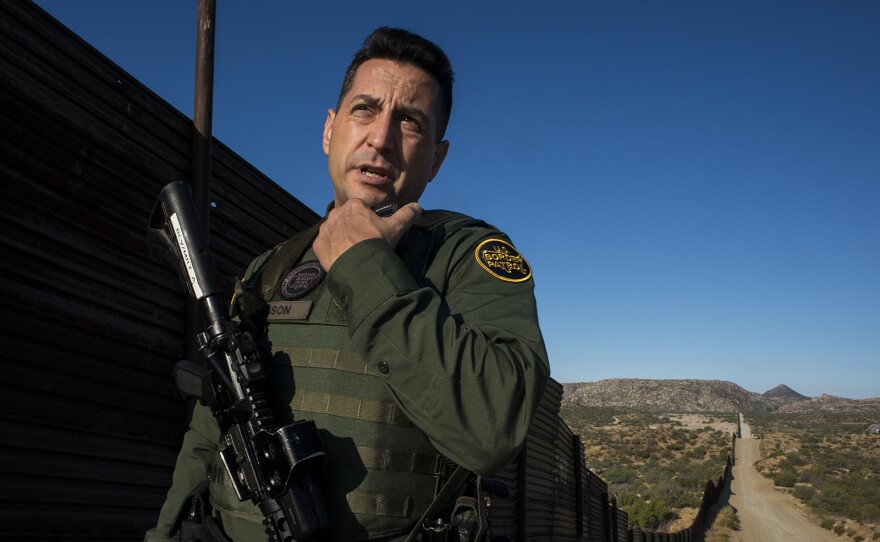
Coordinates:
[277,468]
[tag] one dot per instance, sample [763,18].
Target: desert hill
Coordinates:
[702,396]
[830,403]
[782,395]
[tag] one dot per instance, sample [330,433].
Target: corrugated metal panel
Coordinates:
[565,516]
[92,314]
[541,465]
[597,507]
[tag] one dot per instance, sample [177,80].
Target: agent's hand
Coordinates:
[354,222]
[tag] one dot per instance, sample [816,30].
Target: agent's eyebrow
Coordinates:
[365,99]
[373,101]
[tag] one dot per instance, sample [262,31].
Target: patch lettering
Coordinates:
[289,310]
[502,261]
[301,280]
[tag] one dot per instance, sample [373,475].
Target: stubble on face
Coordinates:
[381,144]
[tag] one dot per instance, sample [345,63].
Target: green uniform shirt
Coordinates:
[446,329]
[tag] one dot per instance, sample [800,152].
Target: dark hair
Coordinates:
[405,48]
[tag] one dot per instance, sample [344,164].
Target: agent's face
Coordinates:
[381,145]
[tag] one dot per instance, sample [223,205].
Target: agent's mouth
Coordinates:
[374,172]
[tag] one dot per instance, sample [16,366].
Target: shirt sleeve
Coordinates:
[460,352]
[195,459]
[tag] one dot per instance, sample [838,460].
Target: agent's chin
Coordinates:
[373,198]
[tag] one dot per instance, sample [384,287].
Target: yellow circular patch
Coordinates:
[502,261]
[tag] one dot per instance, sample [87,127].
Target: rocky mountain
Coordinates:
[663,396]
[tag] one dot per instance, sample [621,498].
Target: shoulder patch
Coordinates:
[502,261]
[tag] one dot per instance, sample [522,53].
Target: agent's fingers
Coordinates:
[401,221]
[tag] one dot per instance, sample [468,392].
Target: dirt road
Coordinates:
[765,513]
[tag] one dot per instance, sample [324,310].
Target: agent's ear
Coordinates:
[439,156]
[328,131]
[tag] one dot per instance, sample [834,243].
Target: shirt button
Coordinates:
[383,368]
[344,303]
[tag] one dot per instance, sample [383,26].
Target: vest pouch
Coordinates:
[228,508]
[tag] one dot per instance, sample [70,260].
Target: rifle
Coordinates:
[277,468]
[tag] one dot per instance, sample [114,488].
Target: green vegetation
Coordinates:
[724,525]
[649,515]
[828,461]
[655,466]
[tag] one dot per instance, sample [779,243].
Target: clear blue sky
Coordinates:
[696,184]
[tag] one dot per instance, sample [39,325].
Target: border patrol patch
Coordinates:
[502,261]
[301,280]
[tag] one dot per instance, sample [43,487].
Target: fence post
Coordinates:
[579,467]
[613,512]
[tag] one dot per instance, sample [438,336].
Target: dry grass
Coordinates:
[830,464]
[724,523]
[663,460]
[700,421]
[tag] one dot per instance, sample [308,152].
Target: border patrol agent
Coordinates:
[405,337]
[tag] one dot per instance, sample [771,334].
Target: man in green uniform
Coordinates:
[404,337]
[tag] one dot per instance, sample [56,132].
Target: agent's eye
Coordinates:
[410,123]
[360,109]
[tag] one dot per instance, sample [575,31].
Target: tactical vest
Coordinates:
[381,470]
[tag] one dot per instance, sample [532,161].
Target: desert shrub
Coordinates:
[785,478]
[649,514]
[617,474]
[827,523]
[831,500]
[728,519]
[578,416]
[804,493]
[626,499]
[697,452]
[674,495]
[871,512]
[851,499]
[794,459]
[815,474]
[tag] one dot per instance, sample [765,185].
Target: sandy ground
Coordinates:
[765,513]
[700,421]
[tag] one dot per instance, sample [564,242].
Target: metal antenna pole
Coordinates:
[203,109]
[201,147]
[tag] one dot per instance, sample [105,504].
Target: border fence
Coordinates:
[554,496]
[92,316]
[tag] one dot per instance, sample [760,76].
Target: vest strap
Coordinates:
[350,407]
[395,460]
[324,358]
